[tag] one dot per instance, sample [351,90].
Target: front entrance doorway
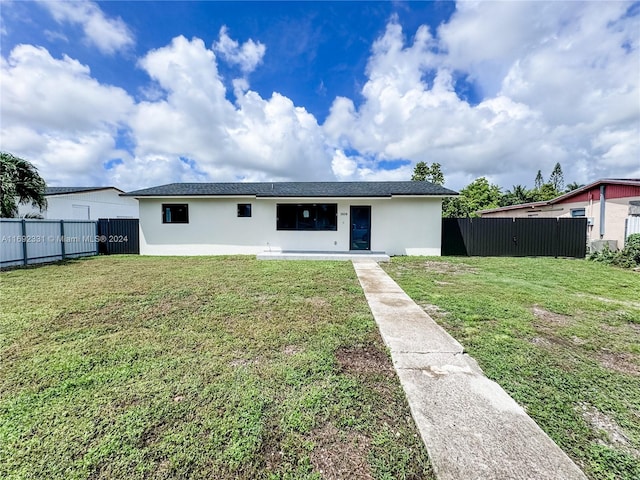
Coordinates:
[360,238]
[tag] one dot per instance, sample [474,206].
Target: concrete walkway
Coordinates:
[472,428]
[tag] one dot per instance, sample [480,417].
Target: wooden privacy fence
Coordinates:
[515,237]
[26,242]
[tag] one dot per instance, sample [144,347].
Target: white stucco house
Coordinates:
[84,203]
[397,218]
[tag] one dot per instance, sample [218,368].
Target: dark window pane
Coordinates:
[307,216]
[286,214]
[327,217]
[244,209]
[175,213]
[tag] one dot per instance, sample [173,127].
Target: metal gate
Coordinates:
[515,237]
[118,236]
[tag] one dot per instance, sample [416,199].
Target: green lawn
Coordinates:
[561,336]
[144,367]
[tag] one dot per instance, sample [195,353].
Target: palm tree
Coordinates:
[20,183]
[516,196]
[573,186]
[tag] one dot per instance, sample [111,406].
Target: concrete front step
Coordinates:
[310,255]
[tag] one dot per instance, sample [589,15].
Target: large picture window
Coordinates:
[307,216]
[175,213]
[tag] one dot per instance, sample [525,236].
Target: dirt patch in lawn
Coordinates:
[623,327]
[244,362]
[446,267]
[433,311]
[337,455]
[318,302]
[626,303]
[291,349]
[612,435]
[541,341]
[545,318]
[364,359]
[547,324]
[620,362]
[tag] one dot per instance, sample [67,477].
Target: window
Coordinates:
[244,209]
[307,216]
[578,212]
[175,213]
[80,212]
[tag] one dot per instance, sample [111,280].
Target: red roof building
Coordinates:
[611,205]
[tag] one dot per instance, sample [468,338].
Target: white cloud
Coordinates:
[247,56]
[109,35]
[342,166]
[60,94]
[560,83]
[57,115]
[254,138]
[54,113]
[149,170]
[405,117]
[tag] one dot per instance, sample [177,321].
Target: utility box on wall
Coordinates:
[598,245]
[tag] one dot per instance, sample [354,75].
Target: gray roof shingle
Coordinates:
[67,190]
[294,189]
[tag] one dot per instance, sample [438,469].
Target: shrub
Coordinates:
[628,257]
[606,255]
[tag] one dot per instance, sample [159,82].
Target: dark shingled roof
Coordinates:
[66,190]
[294,189]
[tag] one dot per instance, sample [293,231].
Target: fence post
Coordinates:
[556,247]
[25,258]
[62,239]
[98,237]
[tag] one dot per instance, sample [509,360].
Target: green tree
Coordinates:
[557,178]
[478,195]
[546,192]
[517,195]
[430,173]
[20,184]
[537,184]
[573,186]
[420,172]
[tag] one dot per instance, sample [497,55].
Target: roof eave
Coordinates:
[96,189]
[597,183]
[516,207]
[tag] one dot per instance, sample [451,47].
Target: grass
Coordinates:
[146,367]
[561,336]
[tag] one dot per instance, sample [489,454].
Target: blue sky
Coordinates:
[135,94]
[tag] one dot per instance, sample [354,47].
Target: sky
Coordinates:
[138,94]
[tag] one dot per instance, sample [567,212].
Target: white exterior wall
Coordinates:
[616,212]
[399,226]
[86,206]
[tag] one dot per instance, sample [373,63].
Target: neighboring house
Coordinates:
[85,203]
[398,218]
[612,207]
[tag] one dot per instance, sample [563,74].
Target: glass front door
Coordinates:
[360,228]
